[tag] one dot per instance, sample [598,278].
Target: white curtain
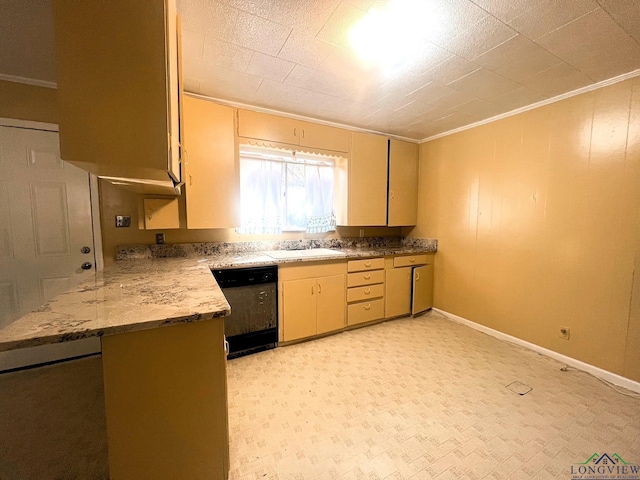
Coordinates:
[261,187]
[319,206]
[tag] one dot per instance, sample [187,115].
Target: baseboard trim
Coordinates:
[572,362]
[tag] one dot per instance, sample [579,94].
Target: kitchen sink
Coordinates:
[310,253]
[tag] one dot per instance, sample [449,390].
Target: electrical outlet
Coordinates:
[159,238]
[123,221]
[564,333]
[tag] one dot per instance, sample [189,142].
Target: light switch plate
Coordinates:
[123,221]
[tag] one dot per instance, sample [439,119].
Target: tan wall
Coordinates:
[28,102]
[117,201]
[537,218]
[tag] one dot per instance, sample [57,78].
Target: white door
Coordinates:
[45,226]
[422,289]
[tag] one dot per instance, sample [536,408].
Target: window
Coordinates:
[285,191]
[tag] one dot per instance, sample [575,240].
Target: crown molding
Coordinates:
[28,124]
[557,98]
[27,81]
[297,117]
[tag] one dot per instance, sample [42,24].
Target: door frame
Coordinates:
[93,185]
[43,355]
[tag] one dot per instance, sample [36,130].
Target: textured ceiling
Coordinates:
[486,57]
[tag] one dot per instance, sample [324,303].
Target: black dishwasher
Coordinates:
[253,297]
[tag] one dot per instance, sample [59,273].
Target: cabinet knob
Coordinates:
[85,250]
[367,291]
[412,260]
[417,276]
[86,266]
[366,276]
[367,264]
[367,307]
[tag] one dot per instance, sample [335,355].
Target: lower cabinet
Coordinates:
[398,292]
[313,304]
[409,284]
[165,393]
[365,293]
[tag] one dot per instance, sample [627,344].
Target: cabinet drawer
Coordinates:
[365,311]
[365,278]
[365,293]
[410,260]
[366,264]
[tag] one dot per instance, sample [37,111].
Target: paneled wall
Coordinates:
[28,102]
[537,218]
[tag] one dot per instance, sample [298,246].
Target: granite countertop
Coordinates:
[256,259]
[129,296]
[142,291]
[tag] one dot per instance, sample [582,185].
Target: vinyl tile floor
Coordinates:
[414,398]
[420,398]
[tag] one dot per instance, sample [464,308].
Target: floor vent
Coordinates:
[519,388]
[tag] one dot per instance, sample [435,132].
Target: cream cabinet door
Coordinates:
[268,127]
[403,183]
[368,180]
[331,303]
[211,176]
[323,136]
[116,97]
[397,292]
[161,213]
[299,310]
[422,289]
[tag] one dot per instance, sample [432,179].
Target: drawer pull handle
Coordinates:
[367,276]
[367,307]
[367,264]
[367,291]
[412,260]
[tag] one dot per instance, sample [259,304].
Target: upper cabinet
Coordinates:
[273,128]
[118,88]
[378,185]
[210,173]
[362,182]
[403,183]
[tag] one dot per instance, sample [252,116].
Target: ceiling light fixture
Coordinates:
[394,36]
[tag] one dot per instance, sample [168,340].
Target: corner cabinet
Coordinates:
[118,88]
[403,184]
[378,184]
[409,285]
[210,173]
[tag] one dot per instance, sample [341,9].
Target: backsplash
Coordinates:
[134,252]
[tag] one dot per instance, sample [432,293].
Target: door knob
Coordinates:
[85,250]
[86,266]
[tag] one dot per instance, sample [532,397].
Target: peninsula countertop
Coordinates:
[143,293]
[129,296]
